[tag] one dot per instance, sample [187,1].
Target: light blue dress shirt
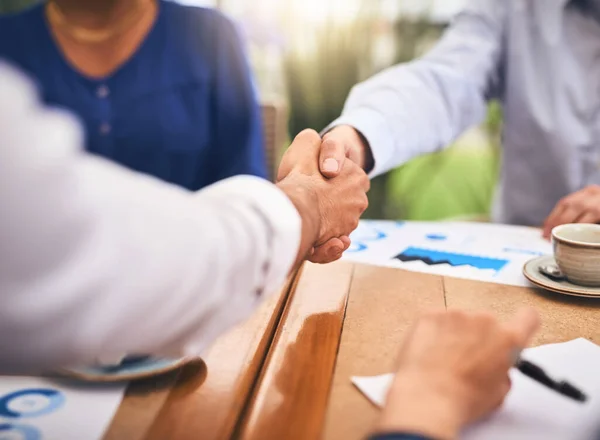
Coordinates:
[540,58]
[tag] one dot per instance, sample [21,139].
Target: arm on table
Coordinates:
[96,260]
[420,107]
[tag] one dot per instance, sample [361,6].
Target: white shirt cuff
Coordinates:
[278,212]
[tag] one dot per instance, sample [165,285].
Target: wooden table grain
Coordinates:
[344,319]
[203,400]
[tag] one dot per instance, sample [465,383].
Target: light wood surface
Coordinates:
[382,305]
[384,302]
[298,397]
[285,374]
[291,397]
[202,400]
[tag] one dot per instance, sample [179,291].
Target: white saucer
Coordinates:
[531,270]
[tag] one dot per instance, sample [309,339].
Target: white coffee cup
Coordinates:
[577,252]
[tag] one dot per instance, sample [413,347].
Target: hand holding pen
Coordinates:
[453,369]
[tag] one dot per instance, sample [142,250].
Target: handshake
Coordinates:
[329,192]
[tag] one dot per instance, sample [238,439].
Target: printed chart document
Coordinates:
[478,251]
[532,411]
[44,409]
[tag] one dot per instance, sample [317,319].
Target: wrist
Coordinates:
[306,203]
[366,155]
[414,405]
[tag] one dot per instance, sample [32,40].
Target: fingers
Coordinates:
[523,326]
[588,217]
[329,251]
[352,171]
[307,139]
[332,156]
[346,241]
[304,150]
[580,207]
[553,219]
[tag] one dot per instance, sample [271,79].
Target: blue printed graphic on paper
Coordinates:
[9,431]
[431,257]
[377,235]
[522,251]
[361,237]
[356,247]
[436,237]
[32,402]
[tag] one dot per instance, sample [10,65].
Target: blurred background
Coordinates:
[307,55]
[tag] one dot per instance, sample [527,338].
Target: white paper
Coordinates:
[44,409]
[478,251]
[532,411]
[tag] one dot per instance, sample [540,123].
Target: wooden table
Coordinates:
[285,373]
[344,319]
[202,401]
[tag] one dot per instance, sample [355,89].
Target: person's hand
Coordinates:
[341,143]
[580,207]
[453,370]
[330,208]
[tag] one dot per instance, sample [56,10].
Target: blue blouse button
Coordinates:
[102,92]
[105,129]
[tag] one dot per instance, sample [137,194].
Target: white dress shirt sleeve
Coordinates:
[97,261]
[422,106]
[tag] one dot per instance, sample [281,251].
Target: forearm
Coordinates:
[96,260]
[420,107]
[146,272]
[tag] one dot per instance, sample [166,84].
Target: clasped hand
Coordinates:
[330,207]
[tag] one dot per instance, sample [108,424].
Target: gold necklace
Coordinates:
[57,18]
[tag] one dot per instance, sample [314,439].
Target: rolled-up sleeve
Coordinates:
[97,261]
[422,106]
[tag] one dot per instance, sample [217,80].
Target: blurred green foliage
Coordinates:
[321,65]
[456,182]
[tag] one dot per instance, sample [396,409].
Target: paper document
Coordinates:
[478,251]
[43,409]
[532,411]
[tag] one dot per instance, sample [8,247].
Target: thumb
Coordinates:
[524,324]
[331,158]
[304,149]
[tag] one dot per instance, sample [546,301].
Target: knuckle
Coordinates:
[486,318]
[577,204]
[366,182]
[331,145]
[456,314]
[430,316]
[308,135]
[484,321]
[434,316]
[564,202]
[364,204]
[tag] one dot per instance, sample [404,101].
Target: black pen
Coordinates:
[536,373]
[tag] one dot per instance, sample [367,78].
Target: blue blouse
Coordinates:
[183,108]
